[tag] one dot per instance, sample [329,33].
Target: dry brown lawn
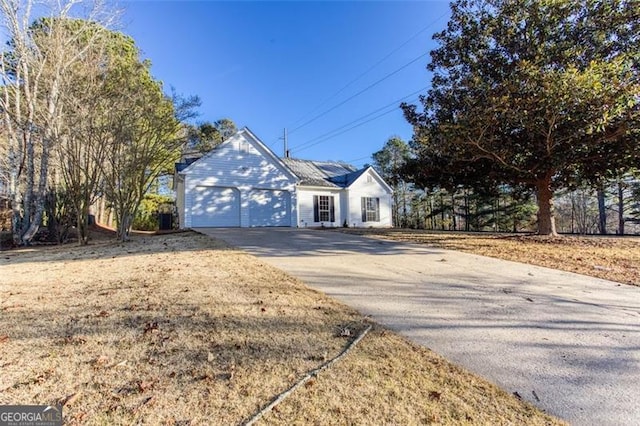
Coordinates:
[611,258]
[181,329]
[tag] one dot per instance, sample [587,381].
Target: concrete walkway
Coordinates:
[569,344]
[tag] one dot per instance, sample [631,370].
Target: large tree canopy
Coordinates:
[531,92]
[206,136]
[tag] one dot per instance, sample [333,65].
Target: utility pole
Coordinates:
[286,148]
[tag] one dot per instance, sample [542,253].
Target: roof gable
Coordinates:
[356,176]
[330,174]
[245,135]
[347,180]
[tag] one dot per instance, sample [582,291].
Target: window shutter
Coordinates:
[364,209]
[316,209]
[332,212]
[377,209]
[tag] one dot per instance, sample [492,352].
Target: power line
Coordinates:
[394,103]
[360,92]
[346,130]
[387,56]
[357,159]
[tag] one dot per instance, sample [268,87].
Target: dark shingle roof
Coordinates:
[330,174]
[346,180]
[185,163]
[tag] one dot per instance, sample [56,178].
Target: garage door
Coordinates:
[269,208]
[215,207]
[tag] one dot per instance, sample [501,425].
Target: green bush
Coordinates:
[147,217]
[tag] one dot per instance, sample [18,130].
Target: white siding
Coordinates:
[305,206]
[269,207]
[238,163]
[215,206]
[375,189]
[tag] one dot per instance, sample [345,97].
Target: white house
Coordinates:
[242,183]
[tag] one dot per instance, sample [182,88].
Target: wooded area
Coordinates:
[83,119]
[611,208]
[85,126]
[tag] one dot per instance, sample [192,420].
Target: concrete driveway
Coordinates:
[569,344]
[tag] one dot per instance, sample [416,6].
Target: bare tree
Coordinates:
[34,75]
[85,135]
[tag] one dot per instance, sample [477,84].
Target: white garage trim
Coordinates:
[215,206]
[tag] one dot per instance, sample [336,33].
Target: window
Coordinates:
[323,208]
[369,179]
[370,209]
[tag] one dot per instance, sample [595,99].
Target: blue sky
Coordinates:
[275,65]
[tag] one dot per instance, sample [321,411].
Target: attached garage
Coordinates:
[269,207]
[239,183]
[215,207]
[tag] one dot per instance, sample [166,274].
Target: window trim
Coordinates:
[322,210]
[370,209]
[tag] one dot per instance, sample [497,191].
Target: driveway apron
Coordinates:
[568,343]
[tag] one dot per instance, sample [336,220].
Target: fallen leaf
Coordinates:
[345,332]
[101,360]
[145,385]
[205,376]
[4,338]
[75,340]
[151,327]
[80,417]
[434,395]
[70,399]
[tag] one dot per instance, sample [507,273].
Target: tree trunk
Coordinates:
[620,208]
[573,212]
[396,206]
[441,210]
[83,223]
[602,212]
[124,226]
[466,210]
[546,220]
[404,205]
[431,214]
[39,198]
[453,211]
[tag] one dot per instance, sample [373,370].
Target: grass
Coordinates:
[181,329]
[611,258]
